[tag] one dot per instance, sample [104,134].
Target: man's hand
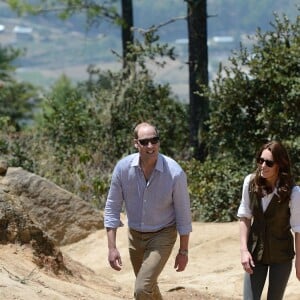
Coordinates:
[114,259]
[180,262]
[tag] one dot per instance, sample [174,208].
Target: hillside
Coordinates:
[53,247]
[213,273]
[55,47]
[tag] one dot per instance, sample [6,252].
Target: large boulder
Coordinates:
[17,227]
[63,216]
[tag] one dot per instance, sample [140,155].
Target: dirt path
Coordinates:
[213,272]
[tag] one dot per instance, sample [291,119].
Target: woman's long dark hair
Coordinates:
[285,180]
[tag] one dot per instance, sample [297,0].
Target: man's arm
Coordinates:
[184,243]
[114,257]
[181,259]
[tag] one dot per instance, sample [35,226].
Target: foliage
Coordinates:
[253,100]
[71,129]
[17,103]
[67,8]
[7,56]
[215,188]
[51,35]
[142,100]
[14,146]
[84,129]
[69,120]
[87,128]
[149,49]
[131,96]
[257,97]
[17,100]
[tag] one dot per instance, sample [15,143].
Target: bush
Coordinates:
[256,97]
[143,100]
[215,188]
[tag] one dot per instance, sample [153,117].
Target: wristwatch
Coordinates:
[183,252]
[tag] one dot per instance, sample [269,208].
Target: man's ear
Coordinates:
[135,144]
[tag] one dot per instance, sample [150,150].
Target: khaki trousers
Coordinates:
[149,253]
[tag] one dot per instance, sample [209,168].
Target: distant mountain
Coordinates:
[54,47]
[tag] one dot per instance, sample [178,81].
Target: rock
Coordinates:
[65,217]
[17,227]
[36,212]
[3,167]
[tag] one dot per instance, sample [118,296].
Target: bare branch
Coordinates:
[155,28]
[19,279]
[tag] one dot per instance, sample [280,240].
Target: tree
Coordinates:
[144,100]
[257,97]
[198,74]
[134,50]
[69,119]
[127,33]
[17,100]
[7,56]
[93,10]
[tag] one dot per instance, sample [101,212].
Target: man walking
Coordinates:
[153,188]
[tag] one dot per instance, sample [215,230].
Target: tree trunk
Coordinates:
[127,34]
[198,74]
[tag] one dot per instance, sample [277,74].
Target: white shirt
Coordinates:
[245,211]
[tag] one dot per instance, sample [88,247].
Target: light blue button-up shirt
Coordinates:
[150,206]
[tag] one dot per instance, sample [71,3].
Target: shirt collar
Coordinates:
[159,164]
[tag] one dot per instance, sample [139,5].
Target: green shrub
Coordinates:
[146,101]
[256,97]
[215,188]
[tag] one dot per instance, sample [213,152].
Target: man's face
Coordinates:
[147,142]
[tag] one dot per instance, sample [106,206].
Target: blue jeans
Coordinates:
[149,253]
[278,278]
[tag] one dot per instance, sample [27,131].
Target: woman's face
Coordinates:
[268,168]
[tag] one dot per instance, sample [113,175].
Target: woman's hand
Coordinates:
[247,261]
[297,265]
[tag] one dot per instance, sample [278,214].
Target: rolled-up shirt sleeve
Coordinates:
[182,205]
[114,202]
[295,209]
[244,210]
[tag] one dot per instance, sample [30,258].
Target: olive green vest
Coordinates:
[270,238]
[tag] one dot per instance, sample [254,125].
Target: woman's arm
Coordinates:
[244,232]
[246,258]
[295,224]
[297,260]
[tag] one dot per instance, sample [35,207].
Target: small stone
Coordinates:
[3,167]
